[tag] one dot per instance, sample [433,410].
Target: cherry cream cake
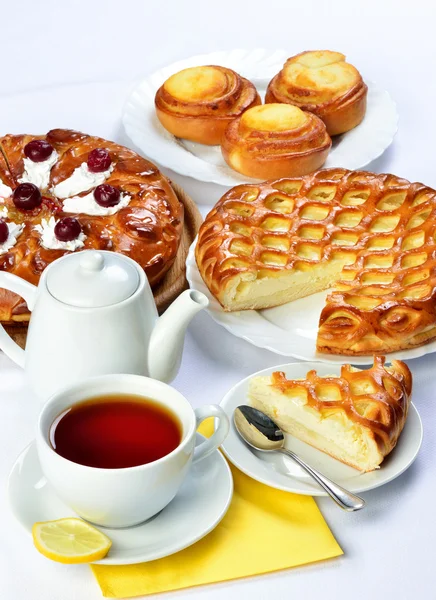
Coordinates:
[68,191]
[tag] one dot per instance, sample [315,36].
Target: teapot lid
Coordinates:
[92,279]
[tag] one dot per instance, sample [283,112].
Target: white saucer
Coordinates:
[282,473]
[197,509]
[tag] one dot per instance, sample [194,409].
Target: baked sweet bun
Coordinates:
[198,103]
[69,191]
[323,83]
[369,237]
[357,417]
[275,140]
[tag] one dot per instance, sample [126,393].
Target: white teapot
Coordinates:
[93,313]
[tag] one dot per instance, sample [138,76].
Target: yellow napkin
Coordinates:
[264,530]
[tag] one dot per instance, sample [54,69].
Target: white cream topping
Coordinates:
[38,173]
[5,190]
[80,181]
[88,206]
[14,232]
[50,241]
[3,212]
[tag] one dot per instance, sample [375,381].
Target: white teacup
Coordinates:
[127,496]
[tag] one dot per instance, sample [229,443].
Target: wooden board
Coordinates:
[174,281]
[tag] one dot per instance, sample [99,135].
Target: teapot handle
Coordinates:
[28,292]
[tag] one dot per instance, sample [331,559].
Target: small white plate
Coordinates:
[197,509]
[283,473]
[289,330]
[353,150]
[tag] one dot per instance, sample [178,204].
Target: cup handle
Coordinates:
[210,445]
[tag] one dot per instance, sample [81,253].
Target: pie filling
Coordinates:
[332,432]
[274,289]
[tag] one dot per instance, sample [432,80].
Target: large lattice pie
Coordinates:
[356,417]
[67,191]
[370,238]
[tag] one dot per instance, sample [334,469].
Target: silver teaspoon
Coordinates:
[260,432]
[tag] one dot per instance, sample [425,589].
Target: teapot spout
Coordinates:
[166,343]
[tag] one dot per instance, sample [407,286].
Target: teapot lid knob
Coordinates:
[92,261]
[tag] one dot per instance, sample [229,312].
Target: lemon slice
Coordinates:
[70,541]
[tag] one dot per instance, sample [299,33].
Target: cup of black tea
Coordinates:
[117,448]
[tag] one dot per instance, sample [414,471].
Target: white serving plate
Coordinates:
[283,473]
[352,150]
[289,330]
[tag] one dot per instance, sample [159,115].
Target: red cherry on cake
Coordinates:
[27,196]
[99,160]
[38,150]
[4,231]
[67,229]
[106,195]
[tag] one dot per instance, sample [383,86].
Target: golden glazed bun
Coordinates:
[323,83]
[198,103]
[369,237]
[275,140]
[357,417]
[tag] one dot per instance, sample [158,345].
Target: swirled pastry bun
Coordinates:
[198,103]
[323,83]
[275,140]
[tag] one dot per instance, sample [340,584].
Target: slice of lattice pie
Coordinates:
[357,418]
[369,237]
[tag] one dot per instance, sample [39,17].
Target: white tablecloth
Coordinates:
[71,65]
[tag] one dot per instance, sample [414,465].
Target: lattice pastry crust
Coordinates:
[369,237]
[356,418]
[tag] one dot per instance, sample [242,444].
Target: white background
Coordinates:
[71,65]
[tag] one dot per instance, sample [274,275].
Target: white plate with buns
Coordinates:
[351,150]
[280,472]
